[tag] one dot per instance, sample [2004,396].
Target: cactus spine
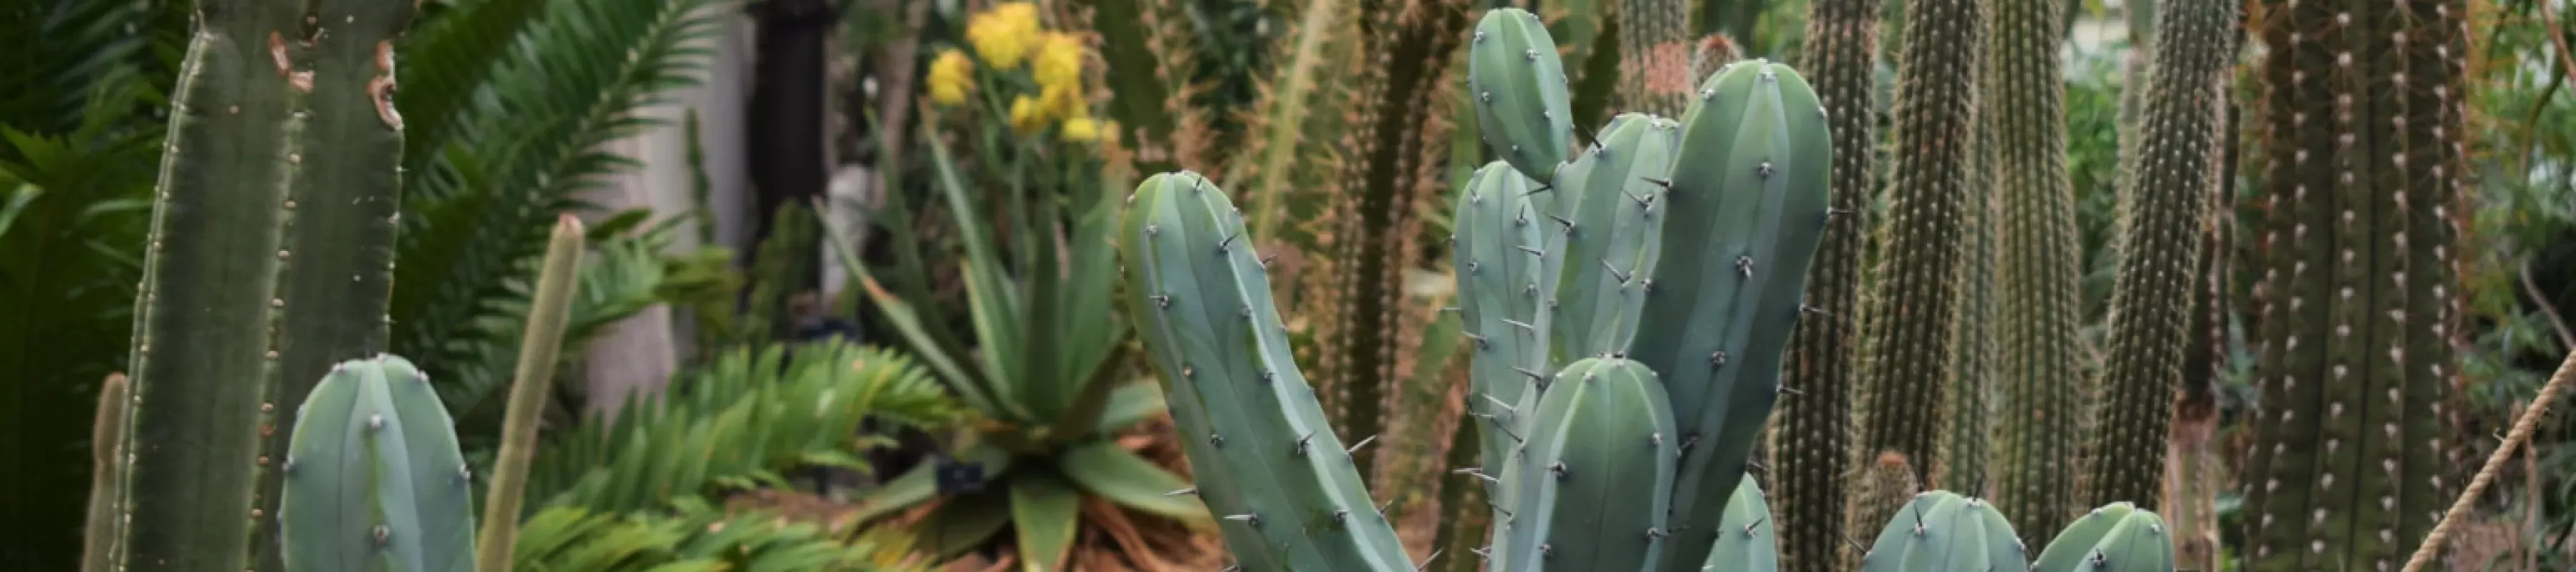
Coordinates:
[1812,439]
[2039,270]
[1915,302]
[1750,191]
[557,276]
[1943,532]
[2115,537]
[1288,493]
[2163,209]
[270,259]
[374,480]
[2364,110]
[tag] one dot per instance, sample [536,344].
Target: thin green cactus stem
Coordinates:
[1813,436]
[1747,207]
[1286,490]
[1915,302]
[557,276]
[2358,298]
[270,260]
[2039,270]
[2151,299]
[374,480]
[105,523]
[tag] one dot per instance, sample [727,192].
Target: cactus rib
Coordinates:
[1287,493]
[1749,200]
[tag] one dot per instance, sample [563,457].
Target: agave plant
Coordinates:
[1049,373]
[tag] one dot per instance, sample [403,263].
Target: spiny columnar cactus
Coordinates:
[270,259]
[373,477]
[1915,301]
[1592,485]
[1812,438]
[2163,210]
[2114,538]
[1941,531]
[1748,205]
[2363,112]
[1288,494]
[2038,269]
[1746,540]
[1519,87]
[1654,56]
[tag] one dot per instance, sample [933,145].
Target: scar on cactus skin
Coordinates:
[381,89]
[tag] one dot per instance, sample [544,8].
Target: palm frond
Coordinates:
[745,418]
[571,84]
[446,60]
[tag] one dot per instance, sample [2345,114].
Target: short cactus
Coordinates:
[1593,482]
[2116,537]
[374,480]
[1745,541]
[1499,252]
[1941,531]
[1611,214]
[1519,86]
[1286,490]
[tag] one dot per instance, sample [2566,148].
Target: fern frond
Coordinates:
[446,60]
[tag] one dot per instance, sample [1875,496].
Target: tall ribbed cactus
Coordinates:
[1288,494]
[2363,111]
[2162,209]
[1915,301]
[1654,56]
[2038,270]
[373,477]
[270,260]
[1812,438]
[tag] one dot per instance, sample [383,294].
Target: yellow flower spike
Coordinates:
[1026,115]
[951,76]
[1004,35]
[1064,100]
[1058,61]
[1081,130]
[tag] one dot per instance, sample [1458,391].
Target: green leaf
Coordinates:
[1133,402]
[963,523]
[921,484]
[1105,469]
[943,357]
[1046,511]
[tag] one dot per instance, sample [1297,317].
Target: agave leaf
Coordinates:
[964,522]
[1130,403]
[921,484]
[1105,469]
[1046,511]
[942,356]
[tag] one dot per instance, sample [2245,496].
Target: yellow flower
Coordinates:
[951,76]
[1063,100]
[1004,34]
[1059,60]
[1026,115]
[1081,130]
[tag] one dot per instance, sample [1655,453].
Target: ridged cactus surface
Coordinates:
[374,480]
[2163,208]
[1519,87]
[1748,206]
[1286,492]
[2116,537]
[2038,271]
[2363,166]
[1745,539]
[270,260]
[1498,252]
[1941,531]
[1915,299]
[1812,438]
[1591,487]
[1611,210]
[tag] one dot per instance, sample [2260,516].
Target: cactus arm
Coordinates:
[349,498]
[105,523]
[2164,209]
[2038,268]
[2075,543]
[1591,490]
[442,487]
[1940,531]
[1614,194]
[1286,492]
[557,276]
[1498,251]
[1814,433]
[2116,536]
[1746,539]
[1518,84]
[1748,206]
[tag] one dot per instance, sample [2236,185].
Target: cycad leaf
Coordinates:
[1046,511]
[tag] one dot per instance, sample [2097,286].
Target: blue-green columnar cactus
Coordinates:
[2117,537]
[1499,251]
[1520,91]
[1590,488]
[374,480]
[1283,486]
[1941,531]
[1745,541]
[1611,215]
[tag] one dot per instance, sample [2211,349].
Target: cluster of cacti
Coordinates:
[2362,174]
